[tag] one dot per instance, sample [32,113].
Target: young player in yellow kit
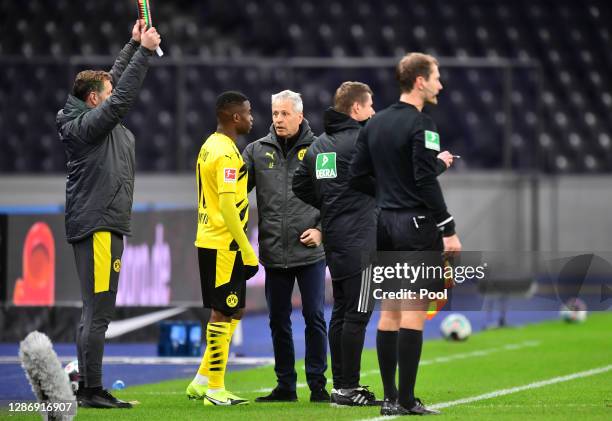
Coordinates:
[226,258]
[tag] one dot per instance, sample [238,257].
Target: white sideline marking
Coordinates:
[503,392]
[478,353]
[536,405]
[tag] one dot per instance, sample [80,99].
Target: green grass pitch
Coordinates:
[489,361]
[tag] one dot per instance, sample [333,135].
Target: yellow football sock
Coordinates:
[203,370]
[233,326]
[217,338]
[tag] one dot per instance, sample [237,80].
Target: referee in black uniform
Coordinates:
[400,148]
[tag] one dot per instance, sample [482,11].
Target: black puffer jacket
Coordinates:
[348,217]
[100,152]
[282,216]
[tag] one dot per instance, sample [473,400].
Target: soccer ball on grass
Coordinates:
[456,327]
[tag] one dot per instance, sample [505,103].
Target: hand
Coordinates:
[311,237]
[251,264]
[452,245]
[447,158]
[250,271]
[138,28]
[150,39]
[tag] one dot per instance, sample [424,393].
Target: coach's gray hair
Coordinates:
[294,97]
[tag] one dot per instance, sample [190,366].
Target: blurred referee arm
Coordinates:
[427,166]
[361,173]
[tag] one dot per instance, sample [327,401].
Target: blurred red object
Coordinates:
[37,286]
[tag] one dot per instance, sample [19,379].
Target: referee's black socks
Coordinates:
[410,343]
[386,348]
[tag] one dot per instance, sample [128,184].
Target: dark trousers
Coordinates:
[347,329]
[98,262]
[279,286]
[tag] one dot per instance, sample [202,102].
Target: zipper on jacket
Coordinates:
[284,227]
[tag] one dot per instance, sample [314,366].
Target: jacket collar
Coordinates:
[335,121]
[306,136]
[74,106]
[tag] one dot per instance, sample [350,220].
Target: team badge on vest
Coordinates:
[326,165]
[231,300]
[302,153]
[117,265]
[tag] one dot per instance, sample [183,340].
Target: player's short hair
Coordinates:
[89,81]
[294,97]
[228,99]
[411,66]
[348,93]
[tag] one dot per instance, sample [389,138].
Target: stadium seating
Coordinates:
[556,120]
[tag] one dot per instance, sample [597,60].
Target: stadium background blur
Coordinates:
[527,101]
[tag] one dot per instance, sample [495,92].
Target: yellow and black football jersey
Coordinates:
[220,169]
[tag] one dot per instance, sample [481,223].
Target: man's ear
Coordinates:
[420,80]
[90,99]
[301,117]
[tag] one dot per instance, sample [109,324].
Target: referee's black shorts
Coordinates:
[222,280]
[408,230]
[414,231]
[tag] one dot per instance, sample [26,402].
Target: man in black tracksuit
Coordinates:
[99,194]
[349,231]
[400,147]
[289,247]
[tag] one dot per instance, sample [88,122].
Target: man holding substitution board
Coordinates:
[100,154]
